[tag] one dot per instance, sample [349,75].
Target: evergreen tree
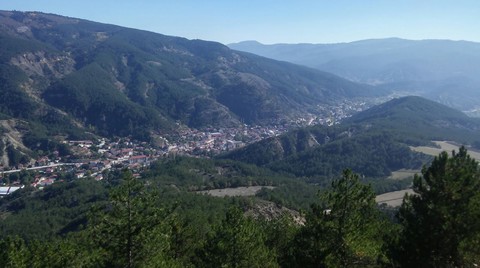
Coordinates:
[237,242]
[441,221]
[280,233]
[131,230]
[344,230]
[14,252]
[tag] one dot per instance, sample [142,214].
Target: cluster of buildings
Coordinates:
[217,140]
[213,141]
[91,158]
[88,158]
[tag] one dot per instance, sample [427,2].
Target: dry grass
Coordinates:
[444,146]
[393,199]
[402,174]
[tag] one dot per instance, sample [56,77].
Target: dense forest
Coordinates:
[154,222]
[322,152]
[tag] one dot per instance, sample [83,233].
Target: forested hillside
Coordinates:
[66,73]
[142,223]
[373,143]
[419,118]
[69,200]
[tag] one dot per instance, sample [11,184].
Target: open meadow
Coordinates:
[444,146]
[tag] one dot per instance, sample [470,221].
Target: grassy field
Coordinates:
[444,146]
[403,174]
[239,191]
[393,199]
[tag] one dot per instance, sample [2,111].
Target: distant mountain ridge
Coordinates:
[66,76]
[442,70]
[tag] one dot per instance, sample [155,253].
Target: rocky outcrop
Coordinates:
[43,64]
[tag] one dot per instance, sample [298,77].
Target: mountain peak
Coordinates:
[247,42]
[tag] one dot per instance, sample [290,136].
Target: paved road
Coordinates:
[35,168]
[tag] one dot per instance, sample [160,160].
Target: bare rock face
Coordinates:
[271,211]
[11,133]
[42,64]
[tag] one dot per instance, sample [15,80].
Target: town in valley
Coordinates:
[95,158]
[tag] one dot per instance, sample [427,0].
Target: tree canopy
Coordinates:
[441,220]
[344,229]
[146,224]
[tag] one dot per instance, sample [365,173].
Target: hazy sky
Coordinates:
[277,21]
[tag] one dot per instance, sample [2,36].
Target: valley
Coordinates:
[97,106]
[440,70]
[95,157]
[129,148]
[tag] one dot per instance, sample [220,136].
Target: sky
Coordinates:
[277,21]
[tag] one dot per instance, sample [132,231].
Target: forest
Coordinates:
[152,222]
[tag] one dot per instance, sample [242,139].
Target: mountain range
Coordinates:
[442,70]
[120,81]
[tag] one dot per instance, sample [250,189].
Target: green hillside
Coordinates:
[118,81]
[64,206]
[373,142]
[416,117]
[371,153]
[152,221]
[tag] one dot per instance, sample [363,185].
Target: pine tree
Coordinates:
[441,221]
[237,242]
[344,230]
[131,229]
[14,252]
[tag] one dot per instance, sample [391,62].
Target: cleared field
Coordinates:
[239,191]
[393,199]
[445,146]
[403,174]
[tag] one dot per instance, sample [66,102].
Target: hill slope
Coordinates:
[64,206]
[120,81]
[441,70]
[373,142]
[416,117]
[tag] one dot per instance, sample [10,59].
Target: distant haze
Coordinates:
[442,70]
[272,21]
